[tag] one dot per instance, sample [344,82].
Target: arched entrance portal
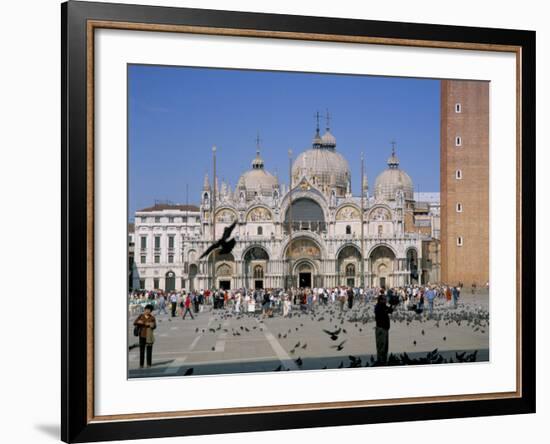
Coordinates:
[349,266]
[303,256]
[170,281]
[412,265]
[382,262]
[305,273]
[255,267]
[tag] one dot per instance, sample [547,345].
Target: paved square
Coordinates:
[223,342]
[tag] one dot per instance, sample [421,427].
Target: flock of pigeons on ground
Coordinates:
[339,326]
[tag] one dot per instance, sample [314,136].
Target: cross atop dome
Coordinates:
[258,162]
[393,160]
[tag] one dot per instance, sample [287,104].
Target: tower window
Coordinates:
[348,229]
[458,108]
[380,230]
[260,231]
[459,207]
[458,141]
[459,241]
[458,174]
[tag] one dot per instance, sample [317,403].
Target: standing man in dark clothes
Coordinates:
[350,297]
[381,313]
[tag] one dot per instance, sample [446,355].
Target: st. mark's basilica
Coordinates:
[318,233]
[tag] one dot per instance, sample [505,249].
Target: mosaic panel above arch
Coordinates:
[348,213]
[259,214]
[225,216]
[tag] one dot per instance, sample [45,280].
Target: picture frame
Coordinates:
[80,21]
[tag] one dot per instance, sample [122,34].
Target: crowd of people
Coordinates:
[279,301]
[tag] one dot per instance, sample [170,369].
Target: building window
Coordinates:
[170,258]
[260,231]
[157,259]
[348,229]
[171,219]
[350,270]
[157,219]
[380,230]
[157,242]
[459,207]
[458,141]
[459,241]
[258,272]
[142,284]
[143,259]
[458,108]
[143,242]
[156,284]
[458,174]
[170,241]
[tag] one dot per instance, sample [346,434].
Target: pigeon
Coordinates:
[423,333]
[188,372]
[444,338]
[299,362]
[304,346]
[339,346]
[414,342]
[213,348]
[297,345]
[333,334]
[225,245]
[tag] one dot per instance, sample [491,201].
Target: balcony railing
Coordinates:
[301,225]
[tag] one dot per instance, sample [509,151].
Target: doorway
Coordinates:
[383,282]
[170,281]
[258,284]
[304,280]
[350,282]
[225,285]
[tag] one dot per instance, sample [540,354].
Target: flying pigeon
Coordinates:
[224,244]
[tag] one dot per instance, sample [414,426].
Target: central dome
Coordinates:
[323,166]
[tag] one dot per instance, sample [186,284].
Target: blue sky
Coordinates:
[176,114]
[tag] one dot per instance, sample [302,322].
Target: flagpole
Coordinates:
[289,218]
[362,222]
[214,217]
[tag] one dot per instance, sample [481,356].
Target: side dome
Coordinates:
[393,179]
[258,181]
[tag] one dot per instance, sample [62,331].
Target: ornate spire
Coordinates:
[206,184]
[393,161]
[258,163]
[317,142]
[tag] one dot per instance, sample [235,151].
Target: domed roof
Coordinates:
[328,140]
[322,167]
[393,179]
[258,179]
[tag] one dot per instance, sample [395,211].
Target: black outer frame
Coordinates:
[74,424]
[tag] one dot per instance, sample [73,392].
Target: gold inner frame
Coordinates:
[96,24]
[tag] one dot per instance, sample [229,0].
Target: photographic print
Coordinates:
[290,221]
